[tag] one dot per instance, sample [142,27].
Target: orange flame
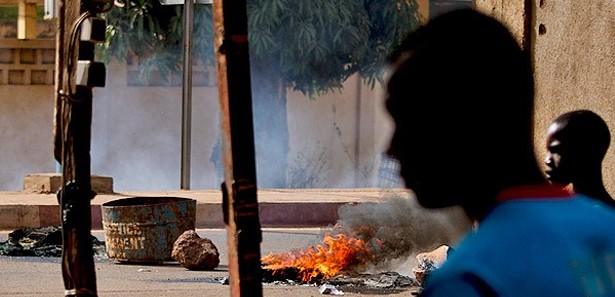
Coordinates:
[336,253]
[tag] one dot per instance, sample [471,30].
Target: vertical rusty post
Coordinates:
[72,137]
[240,203]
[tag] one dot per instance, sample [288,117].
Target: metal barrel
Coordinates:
[144,229]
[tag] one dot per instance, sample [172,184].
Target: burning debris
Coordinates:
[41,242]
[338,252]
[367,240]
[336,265]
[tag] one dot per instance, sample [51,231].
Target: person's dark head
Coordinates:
[577,142]
[461,98]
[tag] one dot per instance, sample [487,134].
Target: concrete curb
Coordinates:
[277,208]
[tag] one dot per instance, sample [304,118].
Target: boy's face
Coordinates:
[558,159]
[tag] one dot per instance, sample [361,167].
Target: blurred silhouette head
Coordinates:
[576,144]
[461,98]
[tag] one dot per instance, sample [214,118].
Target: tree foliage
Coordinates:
[313,45]
[154,33]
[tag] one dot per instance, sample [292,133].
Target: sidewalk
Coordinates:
[296,208]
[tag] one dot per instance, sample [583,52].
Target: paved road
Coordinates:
[41,277]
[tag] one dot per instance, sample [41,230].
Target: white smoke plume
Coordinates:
[398,228]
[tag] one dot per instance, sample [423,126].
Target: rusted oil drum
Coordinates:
[143,229]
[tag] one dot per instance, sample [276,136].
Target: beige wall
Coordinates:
[513,13]
[574,55]
[136,133]
[341,133]
[574,59]
[26,109]
[25,133]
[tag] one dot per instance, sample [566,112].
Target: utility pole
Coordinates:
[76,74]
[186,139]
[187,96]
[240,205]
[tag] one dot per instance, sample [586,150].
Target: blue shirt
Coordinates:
[534,247]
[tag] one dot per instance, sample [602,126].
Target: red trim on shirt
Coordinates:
[529,192]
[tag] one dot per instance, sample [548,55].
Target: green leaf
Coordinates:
[316,44]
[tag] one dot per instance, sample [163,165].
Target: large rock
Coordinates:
[194,252]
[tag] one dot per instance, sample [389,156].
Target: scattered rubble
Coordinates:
[430,261]
[377,280]
[362,283]
[41,242]
[195,253]
[328,289]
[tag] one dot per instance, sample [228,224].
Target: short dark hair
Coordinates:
[584,131]
[474,65]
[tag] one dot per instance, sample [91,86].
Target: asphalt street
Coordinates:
[41,276]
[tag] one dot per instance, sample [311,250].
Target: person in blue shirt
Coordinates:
[577,142]
[461,96]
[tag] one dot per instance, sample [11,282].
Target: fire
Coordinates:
[336,253]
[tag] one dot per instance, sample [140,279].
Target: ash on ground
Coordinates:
[377,283]
[42,242]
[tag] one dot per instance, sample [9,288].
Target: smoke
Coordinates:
[136,134]
[398,229]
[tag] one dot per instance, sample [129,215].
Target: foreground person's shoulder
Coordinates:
[467,285]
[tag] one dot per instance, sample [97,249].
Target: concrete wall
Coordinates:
[136,130]
[572,42]
[574,53]
[137,135]
[514,13]
[26,110]
[346,132]
[25,133]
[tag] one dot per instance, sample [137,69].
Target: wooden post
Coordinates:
[72,137]
[240,205]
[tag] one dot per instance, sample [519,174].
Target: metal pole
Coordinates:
[187,95]
[357,145]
